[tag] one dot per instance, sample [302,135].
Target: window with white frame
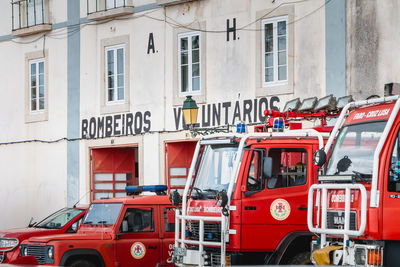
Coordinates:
[37,85]
[115,74]
[189,63]
[275,50]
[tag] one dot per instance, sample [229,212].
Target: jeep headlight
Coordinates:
[8,243]
[50,252]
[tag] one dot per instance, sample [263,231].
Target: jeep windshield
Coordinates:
[354,149]
[214,170]
[58,219]
[102,213]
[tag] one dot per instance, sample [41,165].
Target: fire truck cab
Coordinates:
[245,200]
[353,207]
[135,230]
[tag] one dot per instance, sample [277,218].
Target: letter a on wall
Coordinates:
[150,45]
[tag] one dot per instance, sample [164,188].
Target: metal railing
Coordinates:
[94,6]
[27,13]
[321,202]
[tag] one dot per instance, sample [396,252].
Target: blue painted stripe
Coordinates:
[73,102]
[6,37]
[335,47]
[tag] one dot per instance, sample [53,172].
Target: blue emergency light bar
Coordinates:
[137,189]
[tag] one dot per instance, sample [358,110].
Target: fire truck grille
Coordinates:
[212,231]
[335,220]
[39,252]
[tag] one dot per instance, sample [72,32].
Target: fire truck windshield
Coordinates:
[103,213]
[354,150]
[214,170]
[59,219]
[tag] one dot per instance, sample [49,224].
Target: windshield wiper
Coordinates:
[88,222]
[362,177]
[199,192]
[211,190]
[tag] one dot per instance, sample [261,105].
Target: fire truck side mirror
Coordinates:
[175,198]
[319,157]
[267,167]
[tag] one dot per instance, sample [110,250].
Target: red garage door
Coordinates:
[178,159]
[112,170]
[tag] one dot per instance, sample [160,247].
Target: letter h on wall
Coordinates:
[230,29]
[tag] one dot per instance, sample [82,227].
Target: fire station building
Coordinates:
[95,88]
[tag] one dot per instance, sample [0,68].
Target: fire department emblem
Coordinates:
[138,250]
[280,209]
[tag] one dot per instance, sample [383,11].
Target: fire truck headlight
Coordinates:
[50,252]
[319,157]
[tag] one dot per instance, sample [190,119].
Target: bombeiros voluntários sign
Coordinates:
[210,115]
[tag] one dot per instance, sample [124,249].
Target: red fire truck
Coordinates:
[135,230]
[245,200]
[353,208]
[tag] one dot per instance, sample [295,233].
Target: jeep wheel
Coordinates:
[302,258]
[82,263]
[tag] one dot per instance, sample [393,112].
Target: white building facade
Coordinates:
[95,87]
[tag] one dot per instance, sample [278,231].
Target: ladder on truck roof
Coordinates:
[321,190]
[180,219]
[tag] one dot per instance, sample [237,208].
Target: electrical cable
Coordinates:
[173,23]
[201,131]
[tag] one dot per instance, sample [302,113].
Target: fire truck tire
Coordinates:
[82,263]
[302,258]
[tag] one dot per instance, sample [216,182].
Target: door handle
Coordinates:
[302,208]
[152,247]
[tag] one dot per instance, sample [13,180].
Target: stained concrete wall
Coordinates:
[372,46]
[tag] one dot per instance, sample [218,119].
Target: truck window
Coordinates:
[289,167]
[169,220]
[255,179]
[394,168]
[103,213]
[59,219]
[138,220]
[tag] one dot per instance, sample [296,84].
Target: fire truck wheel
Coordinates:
[82,263]
[302,258]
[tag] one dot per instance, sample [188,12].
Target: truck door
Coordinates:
[272,207]
[138,242]
[391,198]
[167,234]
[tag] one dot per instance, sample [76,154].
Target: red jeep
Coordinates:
[65,220]
[134,230]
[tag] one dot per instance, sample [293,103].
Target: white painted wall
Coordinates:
[33,176]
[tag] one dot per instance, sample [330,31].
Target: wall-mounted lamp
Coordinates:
[190,110]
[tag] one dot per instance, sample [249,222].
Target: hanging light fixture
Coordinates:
[190,110]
